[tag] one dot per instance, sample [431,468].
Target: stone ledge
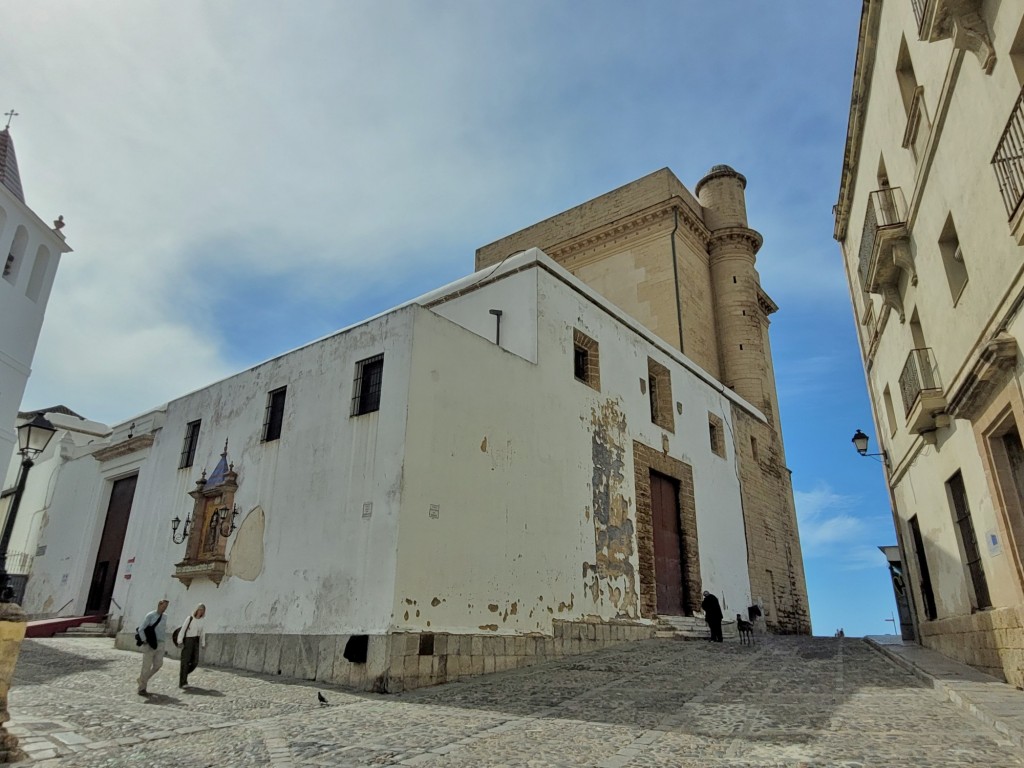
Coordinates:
[981,696]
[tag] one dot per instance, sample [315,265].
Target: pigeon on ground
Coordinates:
[321,699]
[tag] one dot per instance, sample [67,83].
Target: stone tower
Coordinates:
[685,267]
[732,248]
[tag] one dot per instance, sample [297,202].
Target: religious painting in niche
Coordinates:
[210,524]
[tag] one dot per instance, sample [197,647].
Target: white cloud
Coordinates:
[833,526]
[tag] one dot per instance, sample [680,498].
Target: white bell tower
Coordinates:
[30,253]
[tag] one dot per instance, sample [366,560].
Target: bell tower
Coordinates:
[30,252]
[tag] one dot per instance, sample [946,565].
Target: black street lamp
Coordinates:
[860,442]
[33,437]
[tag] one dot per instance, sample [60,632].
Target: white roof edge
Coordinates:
[510,264]
[517,261]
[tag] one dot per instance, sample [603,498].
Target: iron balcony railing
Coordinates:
[886,208]
[1008,161]
[919,376]
[920,6]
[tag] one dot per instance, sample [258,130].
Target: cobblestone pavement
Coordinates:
[781,702]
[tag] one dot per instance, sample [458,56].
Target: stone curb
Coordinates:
[960,698]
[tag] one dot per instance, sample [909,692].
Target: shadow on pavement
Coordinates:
[161,699]
[39,664]
[195,691]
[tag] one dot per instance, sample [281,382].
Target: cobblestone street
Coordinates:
[782,702]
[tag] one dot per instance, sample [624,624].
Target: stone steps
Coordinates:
[85,629]
[691,627]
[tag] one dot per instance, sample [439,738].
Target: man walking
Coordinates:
[151,634]
[712,615]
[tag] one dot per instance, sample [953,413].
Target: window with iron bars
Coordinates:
[188,447]
[274,416]
[366,388]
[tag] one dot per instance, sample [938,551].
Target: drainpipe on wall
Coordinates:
[675,273]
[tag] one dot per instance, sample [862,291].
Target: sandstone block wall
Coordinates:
[402,661]
[992,641]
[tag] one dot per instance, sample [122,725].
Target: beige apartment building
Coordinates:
[931,225]
[684,265]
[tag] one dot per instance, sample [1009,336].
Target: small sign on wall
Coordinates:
[128,567]
[995,547]
[367,508]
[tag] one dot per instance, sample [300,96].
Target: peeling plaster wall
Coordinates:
[307,560]
[498,530]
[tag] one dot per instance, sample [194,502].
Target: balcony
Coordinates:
[960,20]
[1008,164]
[885,247]
[923,400]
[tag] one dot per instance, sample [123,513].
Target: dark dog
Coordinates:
[746,629]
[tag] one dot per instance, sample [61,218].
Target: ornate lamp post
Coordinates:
[33,437]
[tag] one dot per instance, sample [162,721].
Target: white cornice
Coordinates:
[867,40]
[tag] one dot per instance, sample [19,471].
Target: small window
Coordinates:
[753,448]
[586,360]
[890,412]
[716,435]
[659,394]
[953,260]
[366,390]
[188,448]
[274,416]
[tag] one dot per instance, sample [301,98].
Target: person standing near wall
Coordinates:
[151,635]
[712,615]
[193,635]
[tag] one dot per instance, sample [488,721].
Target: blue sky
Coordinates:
[239,178]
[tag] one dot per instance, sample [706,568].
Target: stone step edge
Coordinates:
[962,701]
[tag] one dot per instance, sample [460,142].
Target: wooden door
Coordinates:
[108,556]
[668,567]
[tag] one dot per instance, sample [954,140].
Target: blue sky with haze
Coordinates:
[239,178]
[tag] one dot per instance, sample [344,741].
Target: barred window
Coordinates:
[274,415]
[366,389]
[188,447]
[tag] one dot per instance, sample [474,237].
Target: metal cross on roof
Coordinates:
[10,116]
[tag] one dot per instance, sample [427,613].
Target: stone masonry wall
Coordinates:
[992,641]
[404,660]
[773,540]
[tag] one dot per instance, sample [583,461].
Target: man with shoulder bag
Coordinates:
[151,636]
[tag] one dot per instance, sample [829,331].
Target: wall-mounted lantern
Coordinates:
[860,442]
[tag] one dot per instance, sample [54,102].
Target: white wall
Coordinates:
[320,566]
[505,450]
[21,315]
[42,480]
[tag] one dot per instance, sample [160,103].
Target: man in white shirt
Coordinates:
[151,635]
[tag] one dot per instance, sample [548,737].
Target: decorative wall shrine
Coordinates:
[210,523]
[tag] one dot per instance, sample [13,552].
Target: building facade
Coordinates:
[72,431]
[684,265]
[504,470]
[931,224]
[31,254]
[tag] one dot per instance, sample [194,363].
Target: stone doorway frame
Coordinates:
[646,459]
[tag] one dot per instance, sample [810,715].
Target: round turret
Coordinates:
[721,194]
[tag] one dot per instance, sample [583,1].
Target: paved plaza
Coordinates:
[781,702]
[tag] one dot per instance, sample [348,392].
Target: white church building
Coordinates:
[504,470]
